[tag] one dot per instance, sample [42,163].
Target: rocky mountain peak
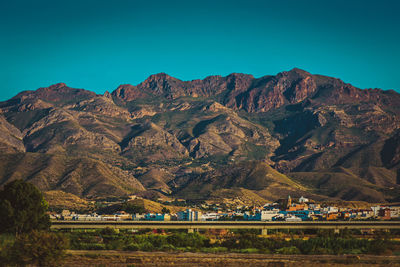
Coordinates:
[56,93]
[163,84]
[56,86]
[158,80]
[107,94]
[160,76]
[299,72]
[236,75]
[243,91]
[128,92]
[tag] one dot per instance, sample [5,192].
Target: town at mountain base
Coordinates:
[237,137]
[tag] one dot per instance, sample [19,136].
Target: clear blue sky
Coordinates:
[97,44]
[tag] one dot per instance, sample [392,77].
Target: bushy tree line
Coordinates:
[313,246]
[110,239]
[245,242]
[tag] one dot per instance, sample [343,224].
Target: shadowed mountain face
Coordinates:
[220,137]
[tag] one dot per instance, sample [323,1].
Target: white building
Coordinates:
[88,217]
[211,216]
[376,209]
[303,199]
[330,209]
[267,215]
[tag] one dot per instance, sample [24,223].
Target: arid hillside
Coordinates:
[293,133]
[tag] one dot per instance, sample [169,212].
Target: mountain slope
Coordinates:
[81,176]
[256,176]
[290,133]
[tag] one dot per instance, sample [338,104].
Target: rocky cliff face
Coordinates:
[179,136]
[10,137]
[242,91]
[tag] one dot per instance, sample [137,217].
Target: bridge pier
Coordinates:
[264,231]
[192,230]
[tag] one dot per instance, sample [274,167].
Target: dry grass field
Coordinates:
[139,259]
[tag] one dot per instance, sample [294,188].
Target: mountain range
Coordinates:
[236,137]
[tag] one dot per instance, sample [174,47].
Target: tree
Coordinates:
[39,248]
[133,208]
[22,208]
[165,210]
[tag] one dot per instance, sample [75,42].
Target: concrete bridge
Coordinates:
[191,226]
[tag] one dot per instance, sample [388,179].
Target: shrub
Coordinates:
[132,247]
[39,248]
[157,241]
[249,250]
[108,231]
[377,246]
[92,246]
[190,249]
[288,250]
[354,251]
[115,244]
[188,240]
[146,246]
[214,250]
[168,247]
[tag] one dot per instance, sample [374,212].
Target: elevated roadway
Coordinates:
[190,225]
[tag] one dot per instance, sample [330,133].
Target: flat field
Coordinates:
[138,259]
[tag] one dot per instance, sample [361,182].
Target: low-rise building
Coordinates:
[123,215]
[384,213]
[375,210]
[211,216]
[138,217]
[331,216]
[394,211]
[303,200]
[87,217]
[261,215]
[157,217]
[189,215]
[67,215]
